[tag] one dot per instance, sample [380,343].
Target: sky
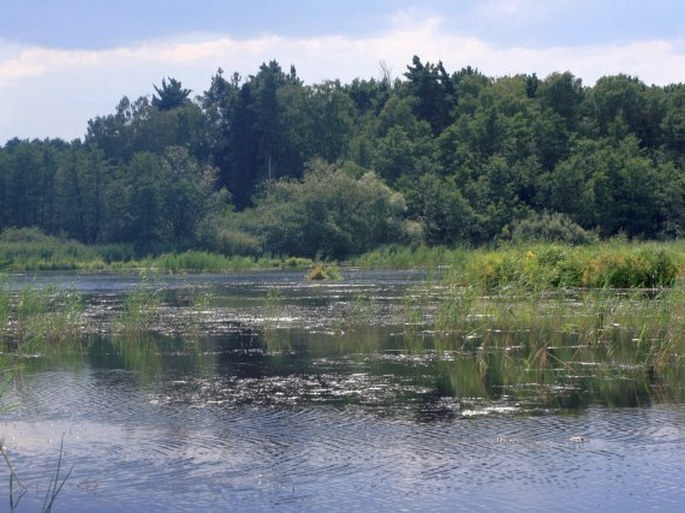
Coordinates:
[63,62]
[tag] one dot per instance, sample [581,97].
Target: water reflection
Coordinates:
[378,368]
[296,402]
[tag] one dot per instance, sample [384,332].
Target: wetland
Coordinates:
[385,390]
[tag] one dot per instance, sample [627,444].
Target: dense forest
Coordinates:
[267,164]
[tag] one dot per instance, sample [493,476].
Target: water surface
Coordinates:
[284,395]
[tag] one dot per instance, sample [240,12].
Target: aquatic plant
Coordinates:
[13,479]
[296,263]
[39,318]
[274,309]
[361,312]
[321,271]
[54,488]
[515,333]
[56,482]
[25,249]
[549,266]
[140,307]
[454,311]
[202,261]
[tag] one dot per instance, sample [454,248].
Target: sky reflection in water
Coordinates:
[316,412]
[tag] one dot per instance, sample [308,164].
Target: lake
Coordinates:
[266,392]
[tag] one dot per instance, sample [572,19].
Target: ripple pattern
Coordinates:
[267,457]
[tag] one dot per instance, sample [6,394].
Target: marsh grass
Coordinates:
[564,338]
[200,302]
[549,266]
[56,482]
[202,261]
[140,307]
[455,311]
[17,489]
[321,271]
[15,495]
[360,313]
[29,249]
[274,310]
[39,319]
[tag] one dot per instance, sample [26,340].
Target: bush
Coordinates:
[27,234]
[546,227]
[330,214]
[228,236]
[320,271]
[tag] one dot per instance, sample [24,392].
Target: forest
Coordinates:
[267,165]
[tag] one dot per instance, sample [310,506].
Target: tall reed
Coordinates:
[17,489]
[35,319]
[139,310]
[549,266]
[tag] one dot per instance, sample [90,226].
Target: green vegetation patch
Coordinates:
[321,271]
[614,265]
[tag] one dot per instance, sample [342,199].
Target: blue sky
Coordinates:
[63,62]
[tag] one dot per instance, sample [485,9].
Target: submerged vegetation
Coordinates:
[530,320]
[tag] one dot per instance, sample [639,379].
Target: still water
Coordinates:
[276,394]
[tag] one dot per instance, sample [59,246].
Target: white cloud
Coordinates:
[46,92]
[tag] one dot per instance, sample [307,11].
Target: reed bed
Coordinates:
[553,337]
[202,261]
[35,317]
[616,264]
[545,305]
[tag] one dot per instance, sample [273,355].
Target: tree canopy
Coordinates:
[266,163]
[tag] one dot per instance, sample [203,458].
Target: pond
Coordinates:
[265,392]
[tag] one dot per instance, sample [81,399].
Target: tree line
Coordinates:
[268,164]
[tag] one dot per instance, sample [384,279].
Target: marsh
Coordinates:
[262,391]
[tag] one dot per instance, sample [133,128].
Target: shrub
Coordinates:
[329,213]
[546,227]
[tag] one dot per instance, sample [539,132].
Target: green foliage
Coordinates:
[29,249]
[24,249]
[170,95]
[472,155]
[320,271]
[541,267]
[329,213]
[34,319]
[435,91]
[140,307]
[445,215]
[228,233]
[640,267]
[546,227]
